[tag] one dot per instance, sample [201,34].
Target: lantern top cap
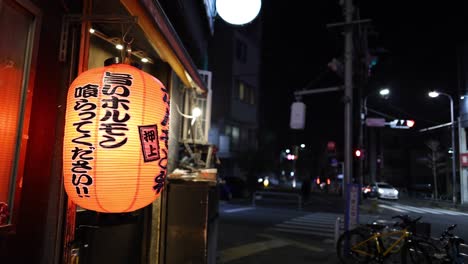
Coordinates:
[113,60]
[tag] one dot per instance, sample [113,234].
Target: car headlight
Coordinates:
[395,192]
[380,191]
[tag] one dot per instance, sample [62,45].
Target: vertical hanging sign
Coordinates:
[352,208]
[298,112]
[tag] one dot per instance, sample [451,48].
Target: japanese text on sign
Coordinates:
[164,137]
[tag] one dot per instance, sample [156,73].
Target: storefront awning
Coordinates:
[163,38]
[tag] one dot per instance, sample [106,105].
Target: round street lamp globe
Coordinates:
[238,12]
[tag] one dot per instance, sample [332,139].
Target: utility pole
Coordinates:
[350,196]
[348,93]
[348,25]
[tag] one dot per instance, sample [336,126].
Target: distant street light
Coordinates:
[302,145]
[434,94]
[384,92]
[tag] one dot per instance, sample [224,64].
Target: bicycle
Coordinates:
[452,245]
[377,243]
[445,249]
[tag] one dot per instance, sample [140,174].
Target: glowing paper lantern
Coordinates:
[116,139]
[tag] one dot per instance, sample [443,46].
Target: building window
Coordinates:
[245,92]
[235,137]
[241,91]
[228,130]
[241,51]
[16,46]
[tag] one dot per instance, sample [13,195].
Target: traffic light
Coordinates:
[358,153]
[410,123]
[372,61]
[402,123]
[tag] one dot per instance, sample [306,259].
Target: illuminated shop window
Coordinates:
[16,44]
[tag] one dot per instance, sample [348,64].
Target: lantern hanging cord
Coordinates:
[124,35]
[127,52]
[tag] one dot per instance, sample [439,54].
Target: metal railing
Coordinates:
[337,233]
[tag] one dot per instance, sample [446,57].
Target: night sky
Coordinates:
[420,41]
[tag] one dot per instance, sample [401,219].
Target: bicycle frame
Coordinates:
[377,238]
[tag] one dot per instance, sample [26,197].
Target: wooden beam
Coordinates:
[159,40]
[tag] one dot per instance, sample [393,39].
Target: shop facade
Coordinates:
[45,45]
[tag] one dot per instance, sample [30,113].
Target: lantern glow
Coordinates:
[116,139]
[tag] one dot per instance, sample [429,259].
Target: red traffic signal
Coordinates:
[358,153]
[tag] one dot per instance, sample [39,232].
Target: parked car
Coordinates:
[380,190]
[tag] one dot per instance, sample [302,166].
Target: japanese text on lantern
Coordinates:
[114,122]
[83,151]
[149,142]
[159,179]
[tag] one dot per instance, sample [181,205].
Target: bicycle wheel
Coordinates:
[347,240]
[433,250]
[414,253]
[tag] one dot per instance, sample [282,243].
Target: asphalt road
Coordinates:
[278,231]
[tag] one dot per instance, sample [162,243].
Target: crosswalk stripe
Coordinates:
[452,212]
[409,208]
[392,208]
[316,224]
[287,230]
[416,210]
[301,227]
[424,209]
[309,223]
[314,220]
